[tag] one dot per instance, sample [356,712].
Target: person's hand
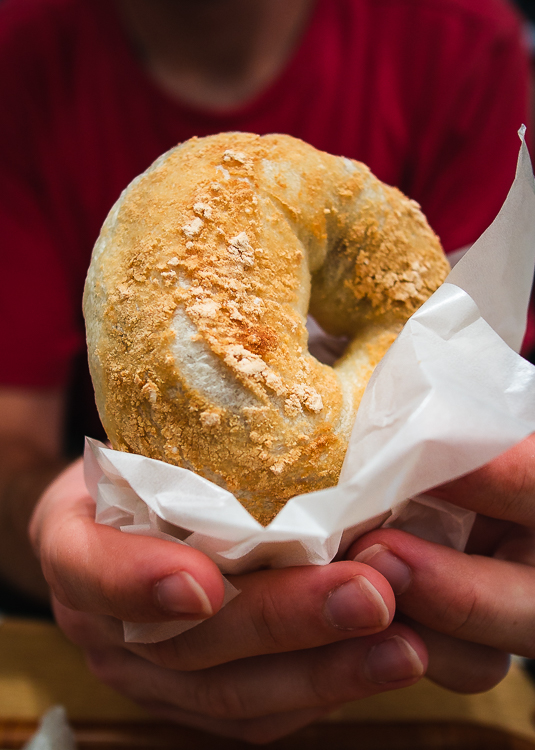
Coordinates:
[292,646]
[480,604]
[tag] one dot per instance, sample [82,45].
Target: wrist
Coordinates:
[25,472]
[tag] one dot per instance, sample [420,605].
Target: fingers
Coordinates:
[96,568]
[266,685]
[504,488]
[485,600]
[460,665]
[284,610]
[256,699]
[276,611]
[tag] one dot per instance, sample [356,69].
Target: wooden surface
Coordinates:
[39,668]
[336,736]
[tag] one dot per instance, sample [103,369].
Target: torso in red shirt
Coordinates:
[428,93]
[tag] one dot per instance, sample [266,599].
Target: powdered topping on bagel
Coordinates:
[197,297]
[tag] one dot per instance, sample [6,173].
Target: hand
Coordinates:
[295,643]
[474,607]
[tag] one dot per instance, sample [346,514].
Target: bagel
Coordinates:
[197,296]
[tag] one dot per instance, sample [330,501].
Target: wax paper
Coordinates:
[54,732]
[451,394]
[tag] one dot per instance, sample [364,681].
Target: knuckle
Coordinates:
[466,617]
[269,624]
[461,612]
[516,488]
[513,494]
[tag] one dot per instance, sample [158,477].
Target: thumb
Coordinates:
[95,568]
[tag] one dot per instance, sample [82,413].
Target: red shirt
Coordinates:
[429,93]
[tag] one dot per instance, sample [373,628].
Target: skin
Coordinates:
[299,642]
[482,596]
[298,654]
[294,644]
[214,54]
[288,649]
[209,53]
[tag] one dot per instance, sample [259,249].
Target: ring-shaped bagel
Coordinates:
[197,297]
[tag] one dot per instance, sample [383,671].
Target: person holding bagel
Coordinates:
[429,94]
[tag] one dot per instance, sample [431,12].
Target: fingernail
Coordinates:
[356,605]
[180,593]
[393,660]
[397,573]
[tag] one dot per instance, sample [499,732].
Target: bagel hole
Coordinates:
[325,348]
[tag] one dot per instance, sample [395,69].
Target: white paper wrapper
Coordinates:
[450,395]
[54,732]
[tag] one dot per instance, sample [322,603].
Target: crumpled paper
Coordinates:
[450,395]
[54,732]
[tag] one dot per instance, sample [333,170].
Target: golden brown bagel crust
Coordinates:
[197,296]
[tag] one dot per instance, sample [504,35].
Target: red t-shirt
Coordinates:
[428,93]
